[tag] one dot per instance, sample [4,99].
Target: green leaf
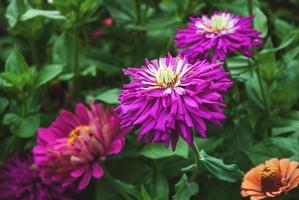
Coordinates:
[144,194]
[285,95]
[271,148]
[110,96]
[158,186]
[184,189]
[88,7]
[15,63]
[130,189]
[240,136]
[239,67]
[121,10]
[17,83]
[3,104]
[90,70]
[282,28]
[48,73]
[286,123]
[254,92]
[220,170]
[105,191]
[23,127]
[62,49]
[157,151]
[14,10]
[267,62]
[50,14]
[260,21]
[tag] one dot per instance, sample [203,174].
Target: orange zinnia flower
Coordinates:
[270,179]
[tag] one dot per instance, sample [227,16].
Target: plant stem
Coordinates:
[137,34]
[75,64]
[250,7]
[34,54]
[24,104]
[262,90]
[138,11]
[197,158]
[116,186]
[258,71]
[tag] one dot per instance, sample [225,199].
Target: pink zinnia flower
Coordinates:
[170,97]
[219,35]
[75,145]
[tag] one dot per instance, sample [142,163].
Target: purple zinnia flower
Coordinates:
[73,148]
[170,97]
[221,34]
[19,179]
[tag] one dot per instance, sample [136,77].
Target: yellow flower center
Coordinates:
[166,78]
[271,179]
[76,133]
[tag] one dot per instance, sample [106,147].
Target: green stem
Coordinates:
[264,97]
[197,158]
[262,90]
[23,104]
[138,11]
[258,71]
[34,52]
[137,34]
[75,64]
[250,7]
[116,186]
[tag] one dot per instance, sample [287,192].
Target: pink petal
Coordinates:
[97,171]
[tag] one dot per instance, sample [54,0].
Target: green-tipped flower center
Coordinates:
[218,23]
[166,78]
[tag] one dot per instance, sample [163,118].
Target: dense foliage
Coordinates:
[56,54]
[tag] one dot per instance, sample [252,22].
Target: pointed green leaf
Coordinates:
[260,21]
[48,73]
[50,14]
[15,63]
[110,96]
[144,194]
[23,127]
[184,189]
[130,189]
[220,170]
[157,151]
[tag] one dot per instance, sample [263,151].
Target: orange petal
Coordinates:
[248,185]
[292,167]
[254,175]
[246,193]
[294,181]
[258,197]
[284,166]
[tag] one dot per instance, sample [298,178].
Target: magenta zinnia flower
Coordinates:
[73,148]
[170,97]
[220,34]
[19,179]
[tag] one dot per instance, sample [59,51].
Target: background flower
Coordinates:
[170,97]
[19,179]
[219,34]
[75,145]
[270,179]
